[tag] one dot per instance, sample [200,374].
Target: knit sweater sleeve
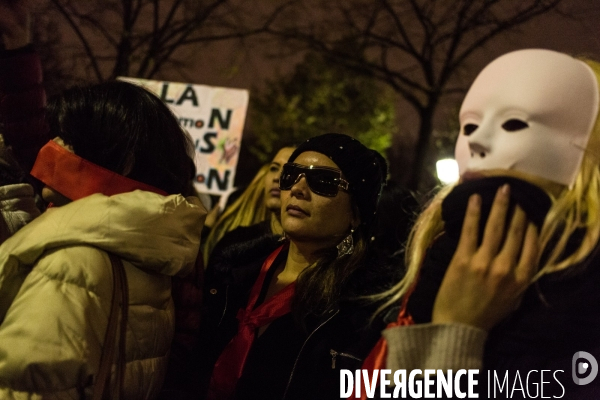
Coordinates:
[435,346]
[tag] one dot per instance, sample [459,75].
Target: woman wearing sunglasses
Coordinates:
[283,326]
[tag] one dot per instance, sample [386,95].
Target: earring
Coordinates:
[346,246]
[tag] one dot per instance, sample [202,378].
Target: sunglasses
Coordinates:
[323,181]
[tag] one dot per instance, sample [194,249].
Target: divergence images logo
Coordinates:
[581,367]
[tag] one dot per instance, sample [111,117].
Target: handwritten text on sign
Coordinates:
[214,118]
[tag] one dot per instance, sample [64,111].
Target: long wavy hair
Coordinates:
[575,209]
[321,285]
[248,209]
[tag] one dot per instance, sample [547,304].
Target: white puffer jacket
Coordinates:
[56,285]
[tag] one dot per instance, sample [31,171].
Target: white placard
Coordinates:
[214,118]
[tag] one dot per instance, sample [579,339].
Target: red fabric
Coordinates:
[230,364]
[377,357]
[75,177]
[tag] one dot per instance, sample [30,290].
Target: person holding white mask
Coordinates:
[529,158]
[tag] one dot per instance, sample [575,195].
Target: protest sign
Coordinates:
[214,118]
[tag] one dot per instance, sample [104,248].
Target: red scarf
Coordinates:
[377,357]
[230,364]
[75,177]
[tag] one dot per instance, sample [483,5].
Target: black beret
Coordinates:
[364,169]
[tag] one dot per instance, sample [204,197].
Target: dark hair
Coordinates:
[396,212]
[320,286]
[126,129]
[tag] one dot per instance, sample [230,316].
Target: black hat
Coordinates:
[364,169]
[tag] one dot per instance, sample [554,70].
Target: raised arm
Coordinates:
[482,285]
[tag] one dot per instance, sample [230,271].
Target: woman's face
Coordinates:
[309,217]
[272,193]
[50,195]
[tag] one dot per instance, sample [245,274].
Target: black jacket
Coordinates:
[339,339]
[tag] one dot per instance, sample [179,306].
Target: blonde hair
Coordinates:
[574,209]
[248,209]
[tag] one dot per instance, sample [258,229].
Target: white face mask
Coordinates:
[531,111]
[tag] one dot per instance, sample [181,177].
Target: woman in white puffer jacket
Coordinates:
[117,174]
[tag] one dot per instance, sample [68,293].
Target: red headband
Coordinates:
[75,177]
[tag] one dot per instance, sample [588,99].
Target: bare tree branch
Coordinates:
[139,37]
[84,42]
[414,46]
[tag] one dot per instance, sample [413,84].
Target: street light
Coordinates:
[447,170]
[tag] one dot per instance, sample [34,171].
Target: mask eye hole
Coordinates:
[470,128]
[513,125]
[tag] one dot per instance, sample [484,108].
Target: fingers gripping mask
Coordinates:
[531,111]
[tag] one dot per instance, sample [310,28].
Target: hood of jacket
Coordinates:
[159,233]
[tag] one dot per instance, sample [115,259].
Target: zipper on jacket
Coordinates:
[302,348]
[225,306]
[334,355]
